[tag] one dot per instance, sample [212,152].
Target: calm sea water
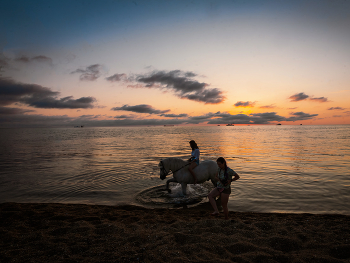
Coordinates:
[282,168]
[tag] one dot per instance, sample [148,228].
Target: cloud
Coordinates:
[267,117]
[124,117]
[63,103]
[91,73]
[255,118]
[299,97]
[11,111]
[136,86]
[336,108]
[117,77]
[208,96]
[183,115]
[321,99]
[142,108]
[40,58]
[268,107]
[302,96]
[300,116]
[38,96]
[25,120]
[183,85]
[244,104]
[225,117]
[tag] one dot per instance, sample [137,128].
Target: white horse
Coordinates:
[205,171]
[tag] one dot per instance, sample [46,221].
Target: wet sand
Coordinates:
[88,233]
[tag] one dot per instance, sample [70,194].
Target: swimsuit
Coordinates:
[226,189]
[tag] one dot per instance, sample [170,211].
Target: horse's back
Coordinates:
[210,165]
[204,171]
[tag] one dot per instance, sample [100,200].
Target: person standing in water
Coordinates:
[225,176]
[194,160]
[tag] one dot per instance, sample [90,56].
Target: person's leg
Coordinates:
[214,193]
[190,168]
[224,201]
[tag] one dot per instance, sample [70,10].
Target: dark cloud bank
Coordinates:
[12,93]
[33,95]
[181,83]
[19,119]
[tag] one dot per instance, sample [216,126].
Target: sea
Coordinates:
[282,168]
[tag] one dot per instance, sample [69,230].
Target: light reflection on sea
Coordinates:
[282,168]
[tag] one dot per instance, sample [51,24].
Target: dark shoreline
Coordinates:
[94,233]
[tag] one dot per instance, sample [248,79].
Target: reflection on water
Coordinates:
[282,168]
[159,197]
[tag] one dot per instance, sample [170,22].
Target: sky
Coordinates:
[126,63]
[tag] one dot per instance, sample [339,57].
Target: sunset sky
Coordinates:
[120,63]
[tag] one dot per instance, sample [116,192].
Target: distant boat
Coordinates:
[230,124]
[168,125]
[278,124]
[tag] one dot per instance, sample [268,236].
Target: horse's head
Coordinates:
[163,171]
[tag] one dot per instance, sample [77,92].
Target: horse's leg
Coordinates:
[184,187]
[172,180]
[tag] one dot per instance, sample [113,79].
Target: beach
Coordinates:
[44,232]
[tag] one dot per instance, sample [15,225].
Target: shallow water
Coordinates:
[282,168]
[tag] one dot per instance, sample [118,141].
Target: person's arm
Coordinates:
[236,177]
[196,154]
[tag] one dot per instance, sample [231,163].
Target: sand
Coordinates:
[89,233]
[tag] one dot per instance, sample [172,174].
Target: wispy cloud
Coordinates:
[124,117]
[40,58]
[90,73]
[299,97]
[117,77]
[268,107]
[336,108]
[183,115]
[180,82]
[320,99]
[300,116]
[302,96]
[38,96]
[183,84]
[244,104]
[142,108]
